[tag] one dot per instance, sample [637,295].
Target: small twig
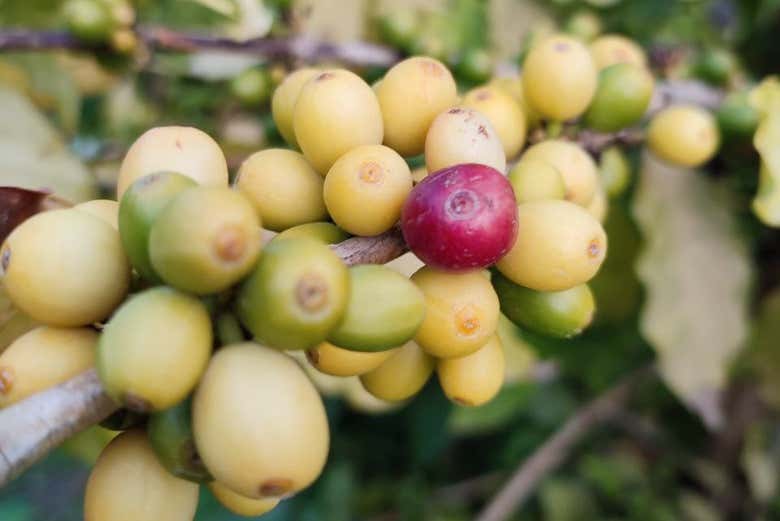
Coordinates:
[299,47]
[555,450]
[35,426]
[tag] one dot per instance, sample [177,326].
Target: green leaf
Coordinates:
[766,99]
[696,272]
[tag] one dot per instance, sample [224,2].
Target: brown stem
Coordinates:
[35,426]
[284,48]
[555,450]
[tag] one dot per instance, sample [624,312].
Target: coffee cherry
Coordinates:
[513,85]
[461,135]
[65,268]
[473,379]
[503,112]
[42,358]
[205,240]
[411,95]
[154,349]
[398,27]
[259,423]
[461,218]
[284,99]
[185,150]
[621,99]
[737,118]
[461,312]
[327,233]
[476,65]
[336,111]
[284,189]
[296,295]
[561,246]
[337,361]
[366,188]
[240,505]
[401,376]
[561,314]
[535,180]
[89,20]
[141,204]
[615,171]
[170,433]
[579,172]
[128,482]
[384,311]
[684,135]
[559,77]
[252,87]
[610,49]
[599,205]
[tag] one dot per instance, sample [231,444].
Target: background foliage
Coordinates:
[690,282]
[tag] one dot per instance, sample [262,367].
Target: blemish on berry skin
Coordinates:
[311,292]
[561,47]
[324,76]
[5,259]
[178,144]
[482,95]
[371,172]
[456,110]
[467,321]
[483,131]
[6,380]
[275,487]
[462,205]
[230,244]
[431,68]
[594,249]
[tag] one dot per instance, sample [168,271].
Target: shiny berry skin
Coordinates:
[461,218]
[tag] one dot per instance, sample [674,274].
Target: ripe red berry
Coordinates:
[460,218]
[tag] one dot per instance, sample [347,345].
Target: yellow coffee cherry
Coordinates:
[241,505]
[463,135]
[535,180]
[513,85]
[42,358]
[284,189]
[259,423]
[184,150]
[337,361]
[561,246]
[412,94]
[401,376]
[365,189]
[610,49]
[684,135]
[559,77]
[105,209]
[473,379]
[128,483]
[336,111]
[461,311]
[65,268]
[283,102]
[503,112]
[579,171]
[599,205]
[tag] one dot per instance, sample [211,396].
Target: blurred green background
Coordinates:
[700,443]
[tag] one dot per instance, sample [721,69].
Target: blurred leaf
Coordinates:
[223,7]
[698,508]
[760,465]
[764,352]
[566,500]
[766,99]
[33,156]
[14,509]
[697,273]
[427,423]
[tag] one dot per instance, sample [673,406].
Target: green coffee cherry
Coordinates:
[736,117]
[252,87]
[716,66]
[89,20]
[560,314]
[206,240]
[170,432]
[154,349]
[327,233]
[622,96]
[296,294]
[399,27]
[615,171]
[141,204]
[385,310]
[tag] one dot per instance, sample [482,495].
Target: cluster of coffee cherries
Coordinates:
[189,292]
